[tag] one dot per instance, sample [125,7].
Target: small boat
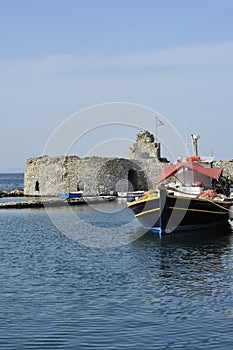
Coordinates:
[200,198]
[71,195]
[130,195]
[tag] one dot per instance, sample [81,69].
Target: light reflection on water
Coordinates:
[169,293]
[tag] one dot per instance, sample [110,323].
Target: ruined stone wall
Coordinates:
[144,147]
[152,167]
[48,176]
[88,171]
[227,166]
[106,175]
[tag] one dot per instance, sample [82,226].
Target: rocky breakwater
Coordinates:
[13,193]
[37,203]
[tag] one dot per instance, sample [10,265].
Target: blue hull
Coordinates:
[70,195]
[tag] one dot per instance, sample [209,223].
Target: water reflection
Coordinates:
[190,273]
[194,239]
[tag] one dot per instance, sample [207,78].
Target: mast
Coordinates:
[194,144]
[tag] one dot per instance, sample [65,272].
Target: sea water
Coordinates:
[11,181]
[64,286]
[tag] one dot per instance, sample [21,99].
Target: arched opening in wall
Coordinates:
[80,185]
[133,180]
[37,186]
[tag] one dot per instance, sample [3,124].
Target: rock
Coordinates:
[14,193]
[227,166]
[145,136]
[144,147]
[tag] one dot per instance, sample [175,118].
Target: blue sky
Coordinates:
[58,57]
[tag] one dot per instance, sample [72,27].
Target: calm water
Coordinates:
[56,292]
[10,182]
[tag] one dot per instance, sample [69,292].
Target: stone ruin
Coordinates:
[144,147]
[49,175]
[227,166]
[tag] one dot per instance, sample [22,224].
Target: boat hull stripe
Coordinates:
[147,212]
[201,210]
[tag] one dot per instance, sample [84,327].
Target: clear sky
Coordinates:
[60,56]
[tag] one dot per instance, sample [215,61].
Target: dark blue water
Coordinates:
[58,293]
[10,182]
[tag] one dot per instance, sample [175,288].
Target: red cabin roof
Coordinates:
[171,170]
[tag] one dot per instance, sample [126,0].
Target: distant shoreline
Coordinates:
[9,172]
[12,171]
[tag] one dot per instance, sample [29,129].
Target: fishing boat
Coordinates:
[199,198]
